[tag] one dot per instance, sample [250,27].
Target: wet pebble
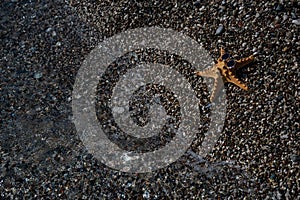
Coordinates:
[38,75]
[279,7]
[296,21]
[295,158]
[284,18]
[220,29]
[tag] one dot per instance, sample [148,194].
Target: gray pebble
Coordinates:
[296,21]
[295,158]
[220,29]
[279,8]
[294,16]
[285,17]
[38,75]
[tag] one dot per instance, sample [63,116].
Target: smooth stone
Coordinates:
[38,75]
[220,30]
[296,21]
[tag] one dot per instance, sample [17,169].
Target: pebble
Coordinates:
[197,3]
[296,21]
[295,158]
[284,18]
[146,195]
[38,75]
[220,29]
[48,29]
[279,7]
[58,44]
[285,49]
[294,16]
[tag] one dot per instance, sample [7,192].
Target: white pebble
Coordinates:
[296,21]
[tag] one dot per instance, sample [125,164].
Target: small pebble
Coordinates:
[48,29]
[38,75]
[294,16]
[285,17]
[285,49]
[279,8]
[197,3]
[58,44]
[295,158]
[296,21]
[220,29]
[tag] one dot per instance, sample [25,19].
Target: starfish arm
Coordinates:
[208,73]
[217,88]
[222,52]
[236,81]
[244,61]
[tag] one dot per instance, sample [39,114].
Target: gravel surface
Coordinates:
[43,46]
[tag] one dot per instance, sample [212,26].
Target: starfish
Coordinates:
[224,70]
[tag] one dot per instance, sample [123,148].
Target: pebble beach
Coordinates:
[44,44]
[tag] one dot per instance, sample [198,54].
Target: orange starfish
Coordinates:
[224,70]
